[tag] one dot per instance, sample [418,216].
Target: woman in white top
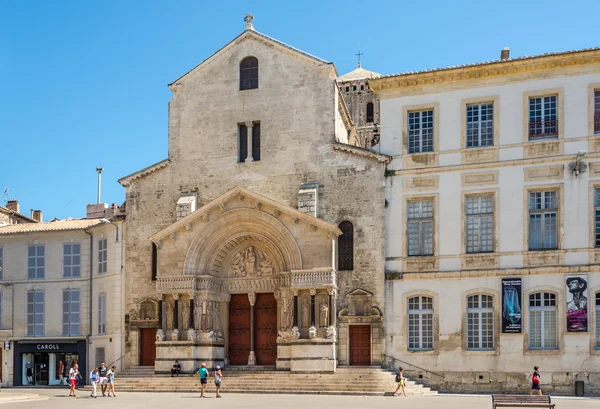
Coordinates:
[73,375]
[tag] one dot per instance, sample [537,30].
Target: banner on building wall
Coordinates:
[511,306]
[577,303]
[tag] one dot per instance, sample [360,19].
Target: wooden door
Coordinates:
[147,346]
[360,345]
[265,329]
[239,329]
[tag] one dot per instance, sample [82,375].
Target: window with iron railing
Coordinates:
[597,112]
[543,117]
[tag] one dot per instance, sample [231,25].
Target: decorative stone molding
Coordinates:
[479,179]
[312,333]
[544,173]
[175,335]
[252,298]
[187,284]
[245,286]
[313,278]
[191,334]
[420,183]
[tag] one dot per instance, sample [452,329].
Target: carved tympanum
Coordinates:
[251,262]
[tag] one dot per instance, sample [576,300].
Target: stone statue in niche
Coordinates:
[216,317]
[305,315]
[147,311]
[185,315]
[169,311]
[251,262]
[197,314]
[331,333]
[209,316]
[324,315]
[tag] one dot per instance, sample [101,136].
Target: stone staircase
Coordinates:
[369,381]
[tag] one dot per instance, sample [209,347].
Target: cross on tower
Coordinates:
[359,54]
[248,19]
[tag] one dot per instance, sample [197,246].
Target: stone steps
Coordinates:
[370,381]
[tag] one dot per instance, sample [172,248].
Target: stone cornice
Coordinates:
[365,153]
[259,202]
[127,180]
[520,69]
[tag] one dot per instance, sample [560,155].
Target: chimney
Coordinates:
[308,198]
[13,206]
[505,54]
[36,215]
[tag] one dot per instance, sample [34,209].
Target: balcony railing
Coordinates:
[597,123]
[544,128]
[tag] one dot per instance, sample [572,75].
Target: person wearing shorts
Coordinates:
[103,371]
[203,373]
[536,381]
[400,380]
[110,377]
[73,375]
[218,379]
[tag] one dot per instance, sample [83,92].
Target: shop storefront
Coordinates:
[47,363]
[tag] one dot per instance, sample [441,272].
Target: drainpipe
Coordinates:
[87,338]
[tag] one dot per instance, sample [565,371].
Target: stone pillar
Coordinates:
[330,309]
[176,311]
[225,315]
[249,125]
[295,310]
[161,323]
[252,357]
[312,307]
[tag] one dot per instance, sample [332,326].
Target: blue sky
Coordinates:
[84,83]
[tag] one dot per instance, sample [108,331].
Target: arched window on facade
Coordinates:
[420,323]
[370,115]
[346,247]
[249,73]
[543,321]
[480,322]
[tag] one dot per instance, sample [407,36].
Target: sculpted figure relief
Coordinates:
[305,315]
[216,318]
[169,312]
[185,315]
[197,313]
[251,262]
[324,315]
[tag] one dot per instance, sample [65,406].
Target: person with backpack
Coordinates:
[401,381]
[218,378]
[536,381]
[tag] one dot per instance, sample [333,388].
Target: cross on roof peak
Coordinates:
[358,54]
[248,19]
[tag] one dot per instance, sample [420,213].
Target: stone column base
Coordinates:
[306,355]
[252,358]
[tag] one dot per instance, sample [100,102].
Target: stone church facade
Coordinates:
[259,240]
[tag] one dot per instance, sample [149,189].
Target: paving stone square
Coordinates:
[134,400]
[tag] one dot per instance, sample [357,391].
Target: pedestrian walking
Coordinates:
[536,381]
[401,381]
[218,379]
[110,378]
[102,371]
[94,379]
[73,375]
[203,373]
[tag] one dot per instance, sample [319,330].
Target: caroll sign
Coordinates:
[47,347]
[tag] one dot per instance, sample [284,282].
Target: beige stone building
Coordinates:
[60,298]
[259,240]
[11,214]
[492,228]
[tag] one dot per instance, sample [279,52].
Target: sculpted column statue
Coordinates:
[209,316]
[185,315]
[217,317]
[305,314]
[170,308]
[323,316]
[197,314]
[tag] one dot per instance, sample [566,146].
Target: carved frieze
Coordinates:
[251,262]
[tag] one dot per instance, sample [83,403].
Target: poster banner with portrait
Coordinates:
[511,306]
[577,303]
